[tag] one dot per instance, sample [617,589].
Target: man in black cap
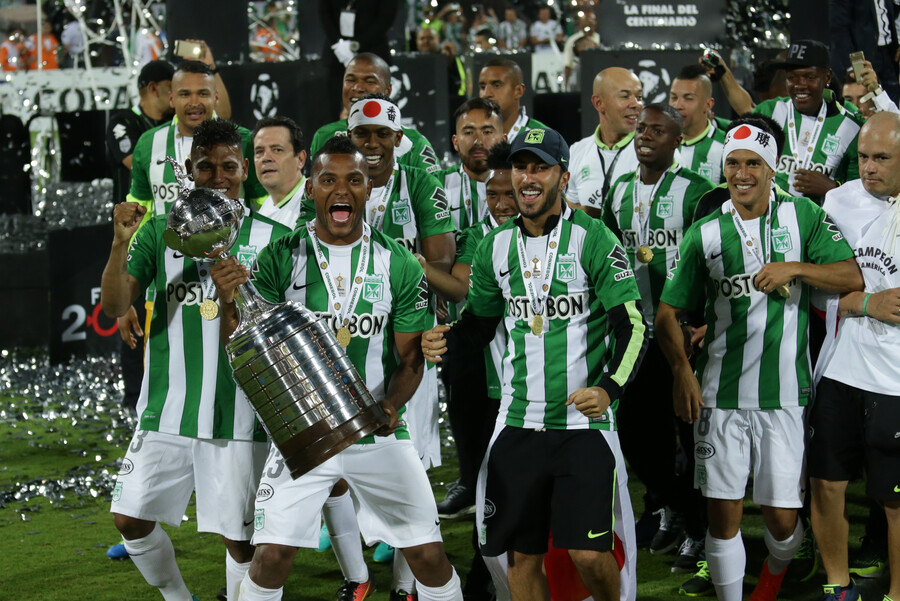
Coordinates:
[558,280]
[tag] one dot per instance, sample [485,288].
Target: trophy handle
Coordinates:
[252,308]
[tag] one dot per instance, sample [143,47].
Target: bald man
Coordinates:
[598,160]
[368,73]
[853,422]
[703,137]
[501,80]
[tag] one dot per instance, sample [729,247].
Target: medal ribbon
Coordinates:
[803,156]
[466,185]
[380,209]
[643,232]
[356,283]
[537,296]
[762,255]
[607,173]
[519,124]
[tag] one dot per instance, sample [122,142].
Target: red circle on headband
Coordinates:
[371,109]
[742,132]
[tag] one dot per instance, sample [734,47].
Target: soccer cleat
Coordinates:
[117,552]
[835,592]
[670,533]
[324,539]
[806,561]
[222,595]
[460,501]
[384,553]
[689,553]
[699,584]
[646,528]
[768,585]
[868,562]
[403,596]
[354,591]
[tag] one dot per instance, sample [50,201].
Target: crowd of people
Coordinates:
[693,302]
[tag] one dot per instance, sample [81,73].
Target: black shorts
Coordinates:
[538,481]
[851,430]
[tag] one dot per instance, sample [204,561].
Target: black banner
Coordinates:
[649,22]
[419,87]
[77,324]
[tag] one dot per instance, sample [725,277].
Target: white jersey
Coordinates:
[866,349]
[852,208]
[595,167]
[287,212]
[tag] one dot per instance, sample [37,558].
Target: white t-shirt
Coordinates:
[289,210]
[545,31]
[588,171]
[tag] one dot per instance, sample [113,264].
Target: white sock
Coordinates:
[781,552]
[343,530]
[451,591]
[234,574]
[403,575]
[250,591]
[154,557]
[726,560]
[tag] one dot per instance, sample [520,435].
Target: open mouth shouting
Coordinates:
[340,213]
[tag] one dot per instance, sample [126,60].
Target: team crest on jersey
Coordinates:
[246,254]
[665,207]
[831,146]
[401,214]
[585,172]
[706,169]
[565,267]
[373,288]
[259,519]
[781,240]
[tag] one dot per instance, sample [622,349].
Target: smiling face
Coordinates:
[193,96]
[536,183]
[363,77]
[749,179]
[656,139]
[221,168]
[501,198]
[618,98]
[339,187]
[476,133]
[805,86]
[377,143]
[278,167]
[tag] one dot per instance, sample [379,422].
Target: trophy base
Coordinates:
[319,442]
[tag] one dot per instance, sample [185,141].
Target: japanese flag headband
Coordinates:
[373,111]
[754,139]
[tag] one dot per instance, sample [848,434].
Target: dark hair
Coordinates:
[215,132]
[336,145]
[498,157]
[192,66]
[294,131]
[673,114]
[692,71]
[766,124]
[478,104]
[508,64]
[377,96]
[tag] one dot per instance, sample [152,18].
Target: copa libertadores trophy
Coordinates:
[304,389]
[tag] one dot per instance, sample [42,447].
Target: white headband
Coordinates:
[754,139]
[372,111]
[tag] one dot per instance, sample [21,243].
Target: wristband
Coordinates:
[865,303]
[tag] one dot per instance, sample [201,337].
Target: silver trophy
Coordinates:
[305,391]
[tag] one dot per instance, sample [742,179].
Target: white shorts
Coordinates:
[393,499]
[728,443]
[421,419]
[160,471]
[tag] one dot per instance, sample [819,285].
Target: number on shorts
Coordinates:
[705,414]
[276,469]
[138,441]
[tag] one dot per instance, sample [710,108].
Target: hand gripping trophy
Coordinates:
[303,388]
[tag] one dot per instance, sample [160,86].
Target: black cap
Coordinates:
[806,53]
[154,72]
[548,144]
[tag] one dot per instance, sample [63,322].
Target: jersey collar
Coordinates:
[290,195]
[706,132]
[620,144]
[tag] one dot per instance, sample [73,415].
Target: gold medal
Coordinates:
[209,309]
[784,291]
[537,325]
[644,254]
[343,336]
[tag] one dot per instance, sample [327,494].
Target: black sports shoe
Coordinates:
[670,533]
[689,553]
[869,561]
[403,596]
[222,595]
[460,501]
[646,528]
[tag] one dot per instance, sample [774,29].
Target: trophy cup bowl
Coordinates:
[298,379]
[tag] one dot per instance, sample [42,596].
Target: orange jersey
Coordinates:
[10,57]
[48,54]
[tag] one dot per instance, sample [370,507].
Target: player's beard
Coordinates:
[551,197]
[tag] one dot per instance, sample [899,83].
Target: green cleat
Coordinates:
[868,562]
[699,584]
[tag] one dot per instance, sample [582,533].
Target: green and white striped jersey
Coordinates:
[703,154]
[465,196]
[591,276]
[831,142]
[416,208]
[394,298]
[756,350]
[671,211]
[414,151]
[187,388]
[153,184]
[465,253]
